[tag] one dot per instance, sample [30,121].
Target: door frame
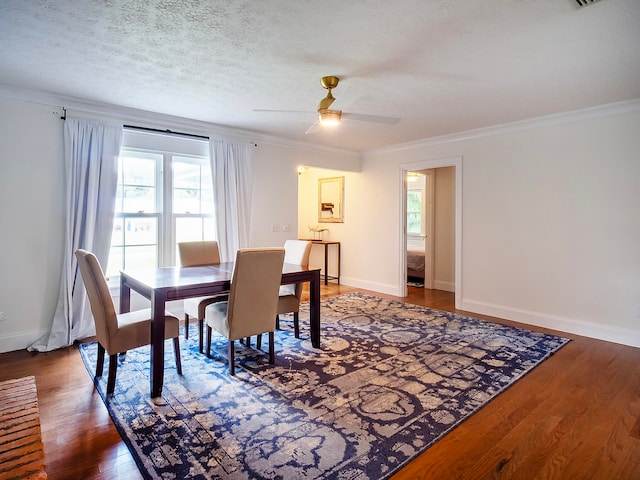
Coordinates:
[429,258]
[404,168]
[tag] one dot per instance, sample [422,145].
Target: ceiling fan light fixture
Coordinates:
[329,117]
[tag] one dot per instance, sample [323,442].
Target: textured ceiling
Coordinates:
[442,66]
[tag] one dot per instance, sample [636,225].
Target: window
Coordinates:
[164,197]
[416,197]
[414,212]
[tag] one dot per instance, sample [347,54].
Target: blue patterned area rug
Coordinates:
[389,381]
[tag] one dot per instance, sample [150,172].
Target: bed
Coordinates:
[415,264]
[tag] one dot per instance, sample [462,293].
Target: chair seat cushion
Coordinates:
[288,304]
[134,330]
[287,289]
[194,307]
[216,317]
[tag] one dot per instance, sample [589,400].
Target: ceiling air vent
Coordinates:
[584,3]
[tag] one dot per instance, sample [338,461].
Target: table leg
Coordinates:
[326,263]
[157,343]
[314,303]
[338,245]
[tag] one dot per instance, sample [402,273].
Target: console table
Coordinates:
[326,244]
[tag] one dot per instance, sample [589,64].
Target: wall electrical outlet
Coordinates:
[3,316]
[286,228]
[275,227]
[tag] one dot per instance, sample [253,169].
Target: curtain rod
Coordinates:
[156,130]
[167,131]
[170,132]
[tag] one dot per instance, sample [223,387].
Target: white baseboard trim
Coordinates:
[19,340]
[623,336]
[373,286]
[442,285]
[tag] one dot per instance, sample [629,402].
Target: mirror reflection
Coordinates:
[330,200]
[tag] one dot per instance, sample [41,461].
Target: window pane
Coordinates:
[192,189]
[209,229]
[138,170]
[139,199]
[116,258]
[414,212]
[137,183]
[414,201]
[186,174]
[141,257]
[141,231]
[194,229]
[414,223]
[117,239]
[186,200]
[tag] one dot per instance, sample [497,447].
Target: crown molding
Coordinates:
[521,125]
[163,121]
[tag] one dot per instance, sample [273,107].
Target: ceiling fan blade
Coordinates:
[313,128]
[342,98]
[362,117]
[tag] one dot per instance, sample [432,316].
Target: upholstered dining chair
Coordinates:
[194,254]
[296,252]
[252,303]
[118,332]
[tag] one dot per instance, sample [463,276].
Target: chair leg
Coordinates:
[272,356]
[100,363]
[176,351]
[296,325]
[209,333]
[248,341]
[200,334]
[113,368]
[186,326]
[259,341]
[232,367]
[277,322]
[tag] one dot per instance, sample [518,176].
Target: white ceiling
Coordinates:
[442,66]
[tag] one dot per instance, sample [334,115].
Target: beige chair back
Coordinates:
[253,298]
[102,307]
[296,252]
[193,254]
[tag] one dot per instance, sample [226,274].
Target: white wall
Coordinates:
[32,202]
[31,220]
[370,217]
[550,223]
[275,190]
[444,231]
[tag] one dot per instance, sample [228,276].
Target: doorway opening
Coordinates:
[431,227]
[420,216]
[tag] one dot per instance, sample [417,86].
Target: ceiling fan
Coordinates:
[328,117]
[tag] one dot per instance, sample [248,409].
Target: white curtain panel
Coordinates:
[91,150]
[231,172]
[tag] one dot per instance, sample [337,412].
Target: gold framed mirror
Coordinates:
[330,200]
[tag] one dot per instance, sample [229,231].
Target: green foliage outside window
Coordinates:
[414,212]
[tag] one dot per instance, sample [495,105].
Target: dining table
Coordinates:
[165,284]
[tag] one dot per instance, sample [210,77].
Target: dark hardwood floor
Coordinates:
[576,416]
